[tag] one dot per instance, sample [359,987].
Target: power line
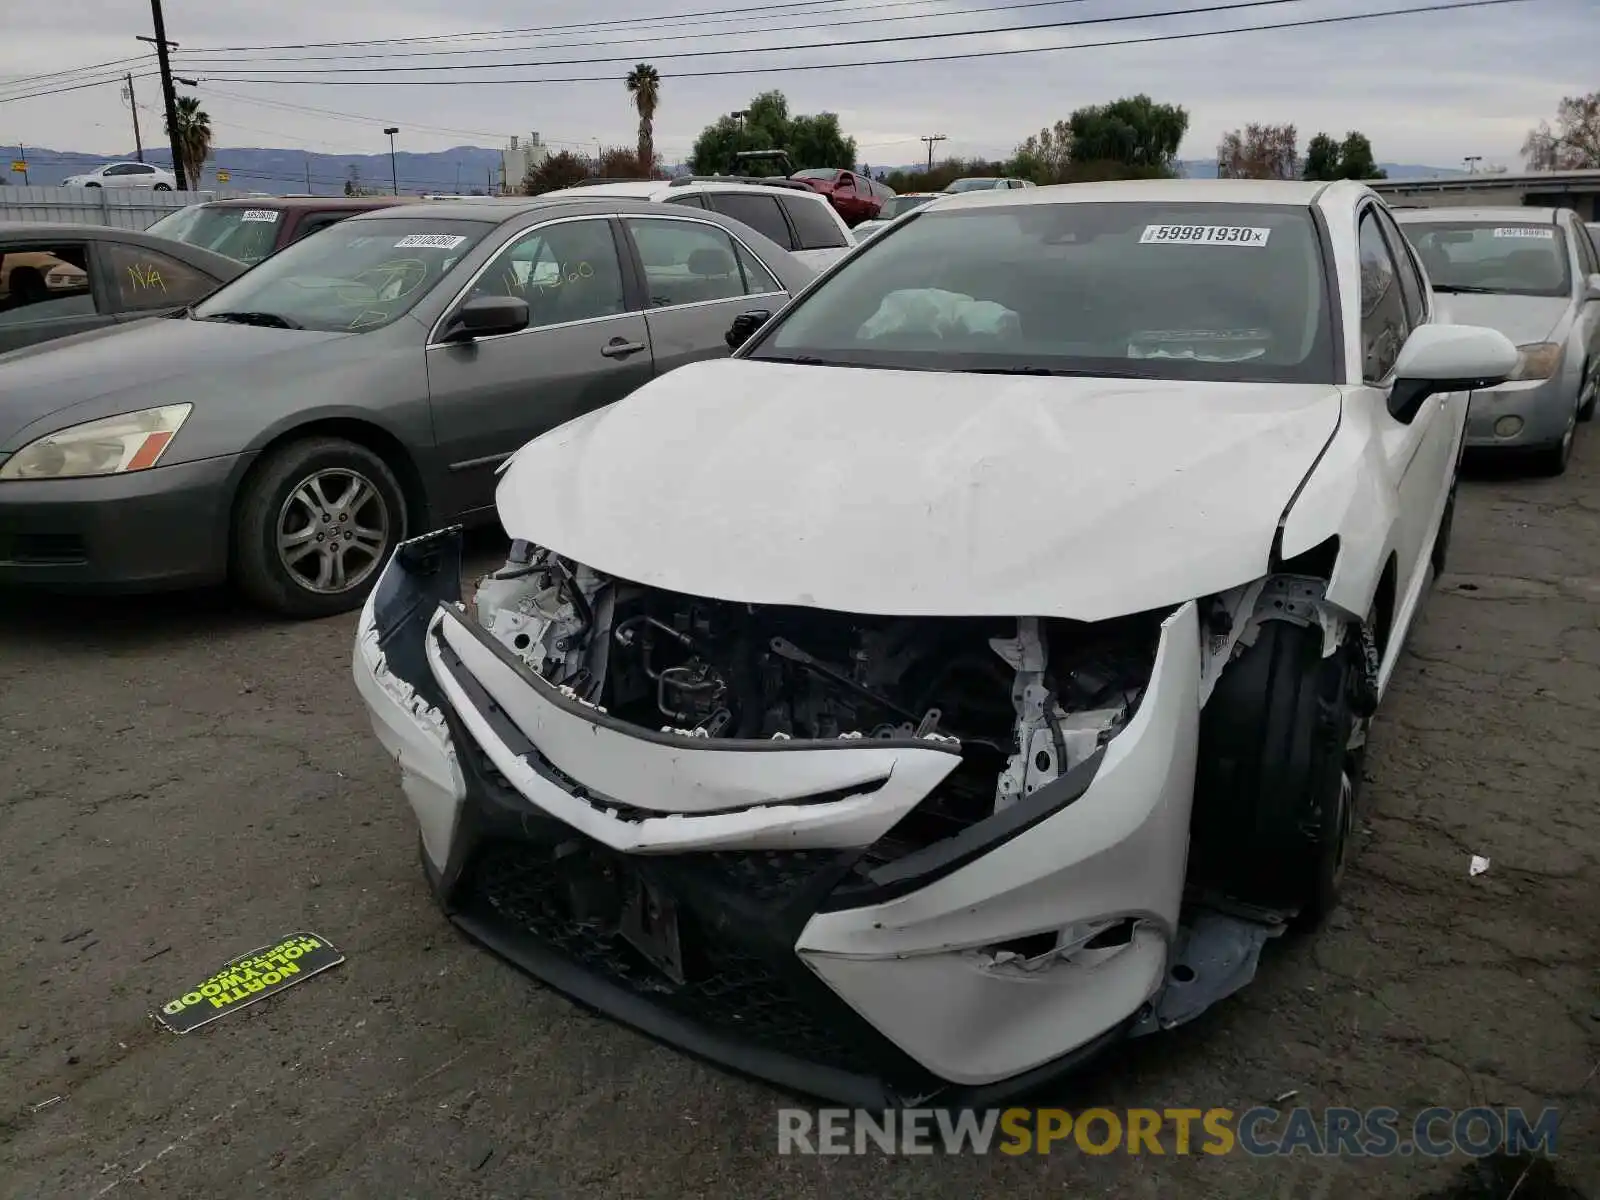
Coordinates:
[1009,52]
[581,25]
[649,36]
[1031,27]
[76,87]
[347,116]
[121,64]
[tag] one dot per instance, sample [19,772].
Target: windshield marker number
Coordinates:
[1524,231]
[431,241]
[1205,235]
[269,215]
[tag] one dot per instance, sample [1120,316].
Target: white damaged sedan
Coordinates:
[974,668]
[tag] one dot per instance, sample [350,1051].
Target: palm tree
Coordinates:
[644,85]
[193,138]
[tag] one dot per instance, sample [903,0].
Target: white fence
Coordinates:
[123,208]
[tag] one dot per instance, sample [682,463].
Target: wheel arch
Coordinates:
[370,434]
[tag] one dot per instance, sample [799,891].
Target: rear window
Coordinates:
[761,213]
[1500,257]
[814,223]
[246,235]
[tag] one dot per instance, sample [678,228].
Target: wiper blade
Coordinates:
[1466,288]
[269,319]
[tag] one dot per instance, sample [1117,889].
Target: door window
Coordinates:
[1383,316]
[691,200]
[761,213]
[691,262]
[568,271]
[44,282]
[144,279]
[814,223]
[1588,259]
[1412,292]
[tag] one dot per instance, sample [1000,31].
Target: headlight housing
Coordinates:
[1538,360]
[109,446]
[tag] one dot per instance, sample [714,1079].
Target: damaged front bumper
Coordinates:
[721,894]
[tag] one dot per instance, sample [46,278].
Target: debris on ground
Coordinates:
[249,978]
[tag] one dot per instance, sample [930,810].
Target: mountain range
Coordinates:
[458,169]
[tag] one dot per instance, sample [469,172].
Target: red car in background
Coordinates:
[855,197]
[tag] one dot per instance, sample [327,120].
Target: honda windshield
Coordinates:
[357,275]
[1505,257]
[1148,290]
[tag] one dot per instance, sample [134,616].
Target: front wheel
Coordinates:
[315,524]
[1552,460]
[1590,392]
[163,187]
[1281,747]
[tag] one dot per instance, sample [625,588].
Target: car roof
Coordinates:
[503,209]
[1167,191]
[334,203]
[1508,212]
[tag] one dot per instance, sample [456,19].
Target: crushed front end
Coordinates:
[878,860]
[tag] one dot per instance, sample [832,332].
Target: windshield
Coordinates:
[815,173]
[357,275]
[1159,291]
[973,185]
[245,234]
[900,205]
[1492,256]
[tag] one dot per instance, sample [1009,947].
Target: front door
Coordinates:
[583,349]
[48,290]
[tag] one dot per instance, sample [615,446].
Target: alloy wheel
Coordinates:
[333,531]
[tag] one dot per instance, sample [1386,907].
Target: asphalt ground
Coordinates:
[182,781]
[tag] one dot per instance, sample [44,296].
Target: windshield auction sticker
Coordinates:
[249,978]
[1524,231]
[430,241]
[1206,235]
[269,215]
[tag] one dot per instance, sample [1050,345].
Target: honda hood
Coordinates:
[920,493]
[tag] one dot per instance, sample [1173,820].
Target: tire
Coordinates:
[93,185]
[292,496]
[162,187]
[1592,377]
[1441,540]
[1277,781]
[1551,461]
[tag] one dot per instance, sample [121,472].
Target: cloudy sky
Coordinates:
[1426,87]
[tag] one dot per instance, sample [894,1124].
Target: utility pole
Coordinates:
[394,175]
[308,173]
[931,139]
[133,107]
[167,94]
[22,156]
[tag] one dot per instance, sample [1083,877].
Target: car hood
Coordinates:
[154,361]
[920,493]
[1523,319]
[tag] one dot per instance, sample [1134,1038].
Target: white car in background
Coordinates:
[125,175]
[973,669]
[896,206]
[791,214]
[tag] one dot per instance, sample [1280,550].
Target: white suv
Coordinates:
[125,174]
[798,219]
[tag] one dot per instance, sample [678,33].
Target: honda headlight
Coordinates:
[1538,360]
[110,446]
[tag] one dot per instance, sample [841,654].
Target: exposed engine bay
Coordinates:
[1026,699]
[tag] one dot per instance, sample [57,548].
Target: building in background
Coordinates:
[1578,190]
[519,158]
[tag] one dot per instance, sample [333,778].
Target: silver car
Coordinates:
[1533,274]
[286,432]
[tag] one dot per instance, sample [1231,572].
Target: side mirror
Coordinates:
[744,326]
[1592,290]
[486,316]
[1448,358]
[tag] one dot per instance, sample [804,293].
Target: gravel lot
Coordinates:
[184,781]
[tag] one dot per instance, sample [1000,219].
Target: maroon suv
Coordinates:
[855,197]
[248,229]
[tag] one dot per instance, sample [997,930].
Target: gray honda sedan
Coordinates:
[287,431]
[1533,274]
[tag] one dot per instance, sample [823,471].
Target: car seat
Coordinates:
[27,286]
